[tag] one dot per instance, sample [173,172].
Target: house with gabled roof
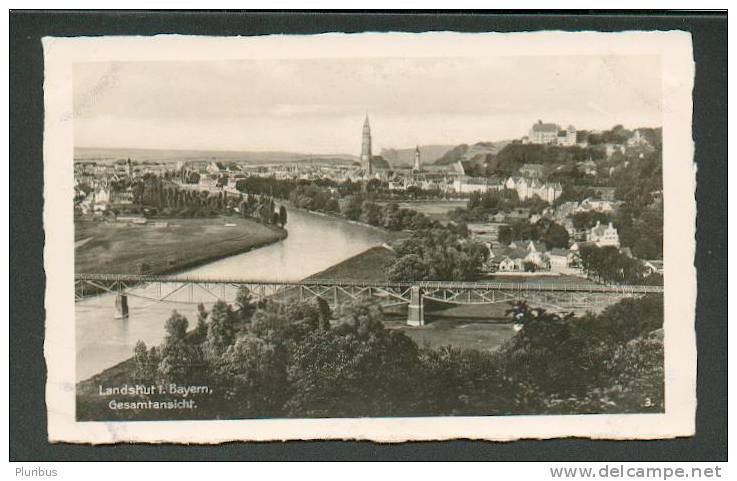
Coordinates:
[603,235]
[654,267]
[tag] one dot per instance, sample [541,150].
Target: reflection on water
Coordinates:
[314,244]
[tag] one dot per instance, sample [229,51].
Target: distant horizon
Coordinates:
[333,154]
[318,105]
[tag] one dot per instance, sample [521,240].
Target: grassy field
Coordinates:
[484,336]
[434,209]
[106,247]
[368,266]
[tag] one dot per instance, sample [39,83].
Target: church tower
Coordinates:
[417,165]
[366,147]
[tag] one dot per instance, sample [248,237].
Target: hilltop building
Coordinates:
[549,133]
[543,133]
[567,138]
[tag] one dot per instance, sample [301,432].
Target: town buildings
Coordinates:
[529,188]
[526,188]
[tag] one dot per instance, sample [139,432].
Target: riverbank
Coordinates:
[169,246]
[390,235]
[368,266]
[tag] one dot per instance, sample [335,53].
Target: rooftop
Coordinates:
[545,127]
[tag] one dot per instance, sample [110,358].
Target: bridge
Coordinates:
[557,297]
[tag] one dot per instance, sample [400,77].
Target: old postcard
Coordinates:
[381,236]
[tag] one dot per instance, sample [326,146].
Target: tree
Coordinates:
[200,332]
[529,266]
[244,301]
[282,215]
[291,362]
[265,212]
[255,375]
[358,368]
[552,356]
[506,236]
[289,323]
[350,207]
[371,213]
[588,219]
[146,363]
[635,376]
[222,330]
[556,236]
[373,185]
[408,268]
[607,264]
[176,328]
[439,253]
[181,361]
[629,319]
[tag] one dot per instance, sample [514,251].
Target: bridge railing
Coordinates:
[485,285]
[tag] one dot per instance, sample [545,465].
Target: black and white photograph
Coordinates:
[342,230]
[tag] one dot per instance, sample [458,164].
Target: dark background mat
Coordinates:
[28,439]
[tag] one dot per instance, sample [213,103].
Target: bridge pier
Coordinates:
[121,306]
[415,310]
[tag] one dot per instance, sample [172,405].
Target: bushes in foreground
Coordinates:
[301,360]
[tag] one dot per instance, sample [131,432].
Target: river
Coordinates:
[315,243]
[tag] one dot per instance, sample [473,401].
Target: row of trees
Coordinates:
[359,207]
[607,264]
[321,194]
[157,196]
[389,216]
[552,234]
[162,197]
[483,204]
[302,360]
[262,208]
[347,200]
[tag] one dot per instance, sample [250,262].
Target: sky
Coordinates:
[318,105]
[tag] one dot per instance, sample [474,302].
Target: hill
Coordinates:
[168,155]
[406,157]
[480,151]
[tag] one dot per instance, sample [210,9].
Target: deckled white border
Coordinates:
[675,51]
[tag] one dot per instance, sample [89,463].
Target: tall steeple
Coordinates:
[366,147]
[417,165]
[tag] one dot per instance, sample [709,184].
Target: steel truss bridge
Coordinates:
[557,297]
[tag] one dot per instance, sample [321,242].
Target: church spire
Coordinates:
[366,146]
